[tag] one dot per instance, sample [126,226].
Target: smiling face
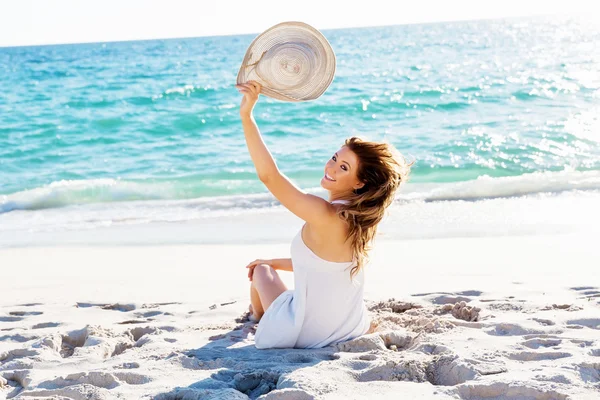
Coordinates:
[341,173]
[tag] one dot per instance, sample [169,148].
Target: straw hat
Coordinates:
[292,61]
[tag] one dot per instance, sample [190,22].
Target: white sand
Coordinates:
[160,321]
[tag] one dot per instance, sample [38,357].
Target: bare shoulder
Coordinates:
[328,240]
[313,209]
[330,228]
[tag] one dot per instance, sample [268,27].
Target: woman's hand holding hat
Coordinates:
[292,61]
[251,91]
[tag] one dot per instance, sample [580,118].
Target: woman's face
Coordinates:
[340,172]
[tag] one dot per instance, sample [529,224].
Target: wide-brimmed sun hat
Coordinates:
[292,61]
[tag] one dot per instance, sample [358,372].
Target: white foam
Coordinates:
[486,187]
[79,192]
[527,215]
[68,192]
[541,202]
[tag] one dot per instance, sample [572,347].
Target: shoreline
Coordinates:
[567,212]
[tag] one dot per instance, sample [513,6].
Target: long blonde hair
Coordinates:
[381,168]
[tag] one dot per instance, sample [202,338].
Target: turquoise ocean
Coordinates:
[139,132]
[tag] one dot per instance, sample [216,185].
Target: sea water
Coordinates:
[138,134]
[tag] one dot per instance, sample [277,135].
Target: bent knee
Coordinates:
[263,272]
[264,269]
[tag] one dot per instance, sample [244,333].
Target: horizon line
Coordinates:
[321,29]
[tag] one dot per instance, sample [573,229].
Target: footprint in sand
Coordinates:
[17,338]
[105,380]
[72,340]
[542,335]
[243,384]
[25,313]
[507,391]
[400,339]
[126,307]
[394,370]
[19,315]
[88,385]
[449,297]
[254,384]
[43,325]
[541,342]
[510,329]
[17,380]
[143,316]
[582,342]
[105,306]
[593,323]
[589,372]
[504,306]
[127,365]
[553,378]
[432,348]
[156,305]
[96,341]
[542,321]
[16,354]
[91,342]
[223,392]
[587,292]
[149,314]
[11,318]
[134,321]
[566,307]
[137,333]
[538,355]
[442,369]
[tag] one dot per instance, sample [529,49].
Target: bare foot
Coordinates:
[252,317]
[372,327]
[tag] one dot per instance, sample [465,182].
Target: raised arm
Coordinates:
[310,208]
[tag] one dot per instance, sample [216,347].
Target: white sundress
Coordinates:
[325,307]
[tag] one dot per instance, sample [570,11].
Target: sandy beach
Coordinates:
[514,317]
[130,201]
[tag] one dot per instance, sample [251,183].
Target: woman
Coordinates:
[328,254]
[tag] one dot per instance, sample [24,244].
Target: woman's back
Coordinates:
[330,241]
[325,306]
[335,309]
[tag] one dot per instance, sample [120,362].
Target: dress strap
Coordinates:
[340,201]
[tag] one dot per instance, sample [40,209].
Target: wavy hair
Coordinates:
[382,169]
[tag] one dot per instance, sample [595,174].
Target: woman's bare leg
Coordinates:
[257,308]
[266,287]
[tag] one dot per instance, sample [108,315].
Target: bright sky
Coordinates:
[29,22]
